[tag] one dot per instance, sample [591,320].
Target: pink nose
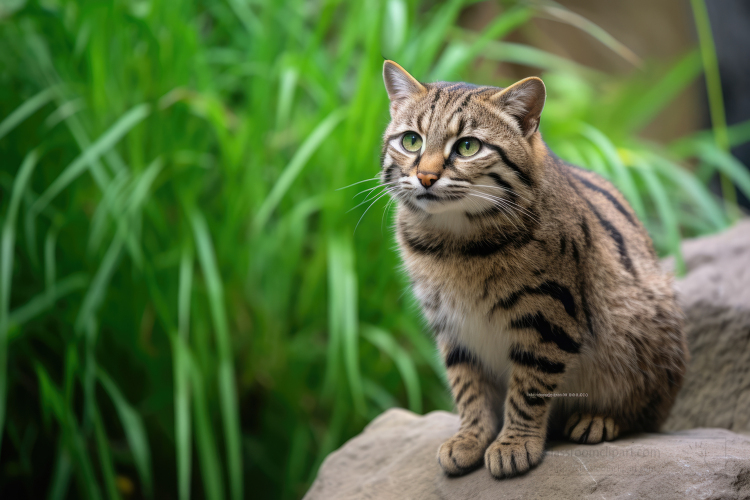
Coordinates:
[427,178]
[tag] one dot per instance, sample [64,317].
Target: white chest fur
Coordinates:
[458,316]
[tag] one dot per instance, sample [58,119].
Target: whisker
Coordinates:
[360,182]
[368,208]
[499,203]
[385,211]
[521,208]
[362,203]
[503,189]
[370,189]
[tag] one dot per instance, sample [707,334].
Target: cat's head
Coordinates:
[461,148]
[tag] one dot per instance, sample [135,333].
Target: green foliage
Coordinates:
[186,308]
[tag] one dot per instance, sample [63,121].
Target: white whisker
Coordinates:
[368,208]
[360,182]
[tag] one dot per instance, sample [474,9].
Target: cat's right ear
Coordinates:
[400,85]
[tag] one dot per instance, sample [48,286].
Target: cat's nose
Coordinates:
[427,178]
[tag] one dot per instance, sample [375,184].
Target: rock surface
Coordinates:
[395,456]
[715,296]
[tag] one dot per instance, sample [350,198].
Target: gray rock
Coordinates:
[395,456]
[715,296]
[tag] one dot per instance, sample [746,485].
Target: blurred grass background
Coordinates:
[186,309]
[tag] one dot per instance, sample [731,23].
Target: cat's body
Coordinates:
[535,275]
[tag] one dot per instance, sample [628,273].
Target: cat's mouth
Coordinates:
[428,196]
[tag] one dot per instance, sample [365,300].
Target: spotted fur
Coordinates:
[535,275]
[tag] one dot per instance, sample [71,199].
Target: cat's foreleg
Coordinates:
[520,444]
[478,401]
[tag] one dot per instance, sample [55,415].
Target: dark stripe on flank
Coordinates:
[611,230]
[586,310]
[586,233]
[548,332]
[616,237]
[459,355]
[606,194]
[501,152]
[544,365]
[550,288]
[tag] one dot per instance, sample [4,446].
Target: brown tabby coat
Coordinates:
[535,275]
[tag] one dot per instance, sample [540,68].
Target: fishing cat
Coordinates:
[535,275]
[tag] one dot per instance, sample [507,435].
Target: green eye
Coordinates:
[412,141]
[467,146]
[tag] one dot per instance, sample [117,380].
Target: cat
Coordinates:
[542,287]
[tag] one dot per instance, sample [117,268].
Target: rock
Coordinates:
[395,458]
[715,296]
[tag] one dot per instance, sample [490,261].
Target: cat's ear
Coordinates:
[524,100]
[399,84]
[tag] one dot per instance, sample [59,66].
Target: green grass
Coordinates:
[186,309]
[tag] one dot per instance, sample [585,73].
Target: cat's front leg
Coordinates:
[478,401]
[520,445]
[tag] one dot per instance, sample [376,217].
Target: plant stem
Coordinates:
[715,97]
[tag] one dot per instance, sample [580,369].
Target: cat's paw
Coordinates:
[461,454]
[511,455]
[591,429]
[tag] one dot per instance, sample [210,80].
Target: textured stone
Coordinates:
[395,458]
[715,296]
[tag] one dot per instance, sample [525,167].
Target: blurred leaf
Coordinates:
[295,166]
[105,142]
[343,316]
[28,108]
[7,247]
[134,431]
[386,343]
[558,12]
[227,389]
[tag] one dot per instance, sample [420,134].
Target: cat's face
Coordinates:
[459,148]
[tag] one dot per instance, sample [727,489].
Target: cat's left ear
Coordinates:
[399,84]
[524,101]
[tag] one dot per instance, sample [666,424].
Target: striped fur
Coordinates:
[536,277]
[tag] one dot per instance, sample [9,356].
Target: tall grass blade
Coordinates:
[60,475]
[135,432]
[561,13]
[28,108]
[715,96]
[7,248]
[343,316]
[227,389]
[207,455]
[622,177]
[666,213]
[107,141]
[43,302]
[386,343]
[106,468]
[295,166]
